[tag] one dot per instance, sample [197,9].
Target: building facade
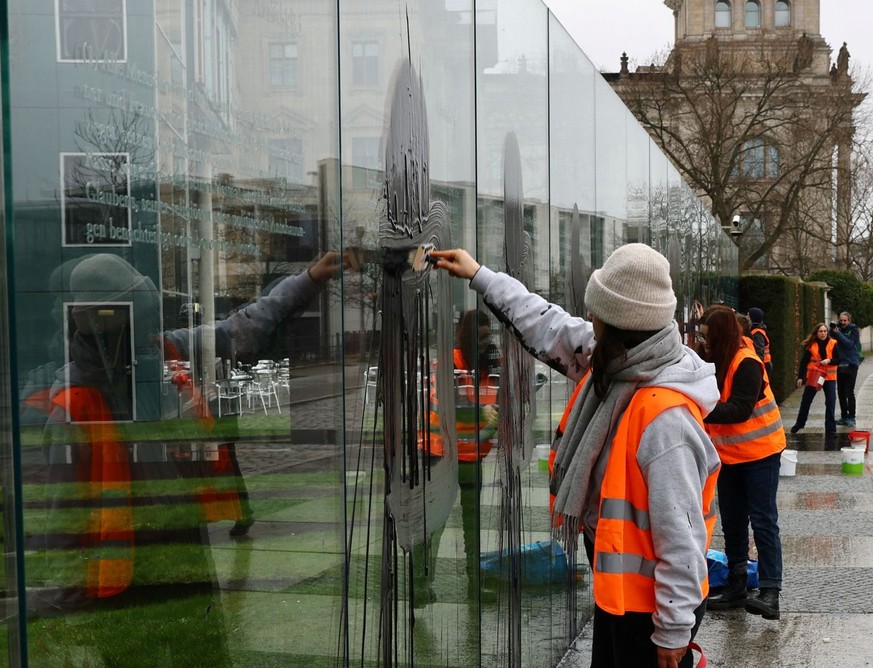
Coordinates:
[758,117]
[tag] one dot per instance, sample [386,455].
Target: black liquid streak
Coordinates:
[514,399]
[419,493]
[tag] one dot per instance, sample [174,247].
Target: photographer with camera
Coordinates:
[849,342]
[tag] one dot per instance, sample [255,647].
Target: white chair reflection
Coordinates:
[230,391]
[264,386]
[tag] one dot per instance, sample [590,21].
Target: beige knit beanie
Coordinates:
[632,290]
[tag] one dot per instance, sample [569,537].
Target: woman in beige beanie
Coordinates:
[635,471]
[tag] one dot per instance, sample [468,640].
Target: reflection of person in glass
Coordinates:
[128,505]
[476,381]
[635,468]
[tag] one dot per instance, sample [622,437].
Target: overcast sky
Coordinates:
[605,28]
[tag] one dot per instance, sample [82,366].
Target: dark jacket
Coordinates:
[848,343]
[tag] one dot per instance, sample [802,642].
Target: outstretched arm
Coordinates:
[545,330]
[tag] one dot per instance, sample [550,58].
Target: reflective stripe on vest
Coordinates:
[762,434]
[110,539]
[469,421]
[766,359]
[624,552]
[816,358]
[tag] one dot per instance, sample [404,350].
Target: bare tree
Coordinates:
[860,240]
[754,131]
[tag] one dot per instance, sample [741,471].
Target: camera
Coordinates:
[736,230]
[834,325]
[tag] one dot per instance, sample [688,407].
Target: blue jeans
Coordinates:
[747,493]
[829,389]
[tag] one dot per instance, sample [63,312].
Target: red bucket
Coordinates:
[856,438]
[816,375]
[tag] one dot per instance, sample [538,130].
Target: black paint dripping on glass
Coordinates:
[419,490]
[515,438]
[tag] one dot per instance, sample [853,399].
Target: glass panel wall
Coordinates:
[253,426]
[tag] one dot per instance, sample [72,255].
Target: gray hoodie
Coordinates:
[675,454]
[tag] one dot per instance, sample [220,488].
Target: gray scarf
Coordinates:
[592,422]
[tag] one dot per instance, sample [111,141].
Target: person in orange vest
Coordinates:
[635,469]
[746,429]
[758,334]
[819,350]
[477,367]
[119,504]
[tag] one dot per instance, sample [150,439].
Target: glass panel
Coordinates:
[414,466]
[573,80]
[513,236]
[10,444]
[179,366]
[609,225]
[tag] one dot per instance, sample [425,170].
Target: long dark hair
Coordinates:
[808,341]
[724,335]
[613,344]
[481,362]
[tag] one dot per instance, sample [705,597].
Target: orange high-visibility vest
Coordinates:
[767,358]
[624,552]
[469,420]
[556,443]
[762,434]
[110,539]
[816,358]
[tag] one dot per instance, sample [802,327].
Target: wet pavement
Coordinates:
[826,522]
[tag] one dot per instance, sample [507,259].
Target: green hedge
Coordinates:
[791,308]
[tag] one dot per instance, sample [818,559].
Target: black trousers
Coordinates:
[846,376]
[625,641]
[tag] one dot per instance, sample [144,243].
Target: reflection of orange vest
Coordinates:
[816,358]
[761,435]
[556,443]
[624,553]
[469,420]
[110,542]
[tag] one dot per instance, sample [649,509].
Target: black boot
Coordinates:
[734,593]
[766,603]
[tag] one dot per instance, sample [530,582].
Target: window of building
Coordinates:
[366,162]
[283,65]
[722,14]
[760,160]
[285,157]
[365,63]
[89,30]
[97,202]
[783,14]
[753,14]
[771,168]
[214,38]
